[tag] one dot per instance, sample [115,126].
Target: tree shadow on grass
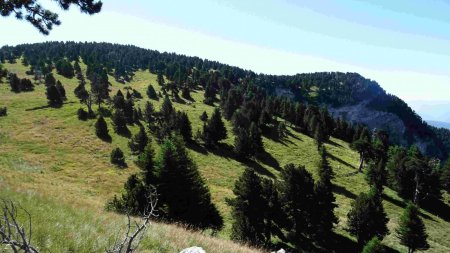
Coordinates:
[107,139]
[335,158]
[343,191]
[402,204]
[332,143]
[269,160]
[437,207]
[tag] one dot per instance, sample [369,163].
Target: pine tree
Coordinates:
[119,122]
[445,177]
[50,80]
[324,217]
[204,117]
[373,246]
[376,175]
[53,96]
[149,113]
[255,139]
[411,230]
[248,209]
[118,158]
[139,141]
[82,114]
[101,129]
[183,194]
[214,130]
[160,79]
[151,93]
[61,90]
[183,125]
[146,163]
[297,196]
[167,109]
[367,217]
[242,143]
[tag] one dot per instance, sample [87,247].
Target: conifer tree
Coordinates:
[146,163]
[183,194]
[61,90]
[367,217]
[297,196]
[167,109]
[151,93]
[119,122]
[118,158]
[101,129]
[53,96]
[160,79]
[139,141]
[204,117]
[411,230]
[149,113]
[376,175]
[247,209]
[256,138]
[50,80]
[445,177]
[373,246]
[324,217]
[214,130]
[242,143]
[183,125]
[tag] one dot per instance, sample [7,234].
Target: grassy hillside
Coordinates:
[50,160]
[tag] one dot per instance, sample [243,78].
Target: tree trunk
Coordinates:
[361,162]
[417,191]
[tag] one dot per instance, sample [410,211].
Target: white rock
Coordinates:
[280,251]
[193,250]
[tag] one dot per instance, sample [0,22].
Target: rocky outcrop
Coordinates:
[193,250]
[373,119]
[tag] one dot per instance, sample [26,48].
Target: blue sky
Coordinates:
[404,45]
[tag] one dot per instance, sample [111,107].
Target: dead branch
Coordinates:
[130,241]
[12,233]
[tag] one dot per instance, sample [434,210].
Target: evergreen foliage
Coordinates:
[118,158]
[297,198]
[139,141]
[53,96]
[184,196]
[214,130]
[151,93]
[411,230]
[324,217]
[373,246]
[101,129]
[119,122]
[367,217]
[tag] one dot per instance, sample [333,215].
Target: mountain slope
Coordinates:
[345,92]
[52,154]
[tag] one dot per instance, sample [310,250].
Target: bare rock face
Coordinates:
[373,119]
[360,113]
[193,250]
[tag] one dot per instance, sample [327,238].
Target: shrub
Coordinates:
[118,158]
[82,114]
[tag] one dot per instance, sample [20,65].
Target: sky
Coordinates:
[401,44]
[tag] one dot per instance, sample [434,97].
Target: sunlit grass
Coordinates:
[56,162]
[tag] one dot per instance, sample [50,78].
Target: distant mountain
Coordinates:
[432,110]
[439,124]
